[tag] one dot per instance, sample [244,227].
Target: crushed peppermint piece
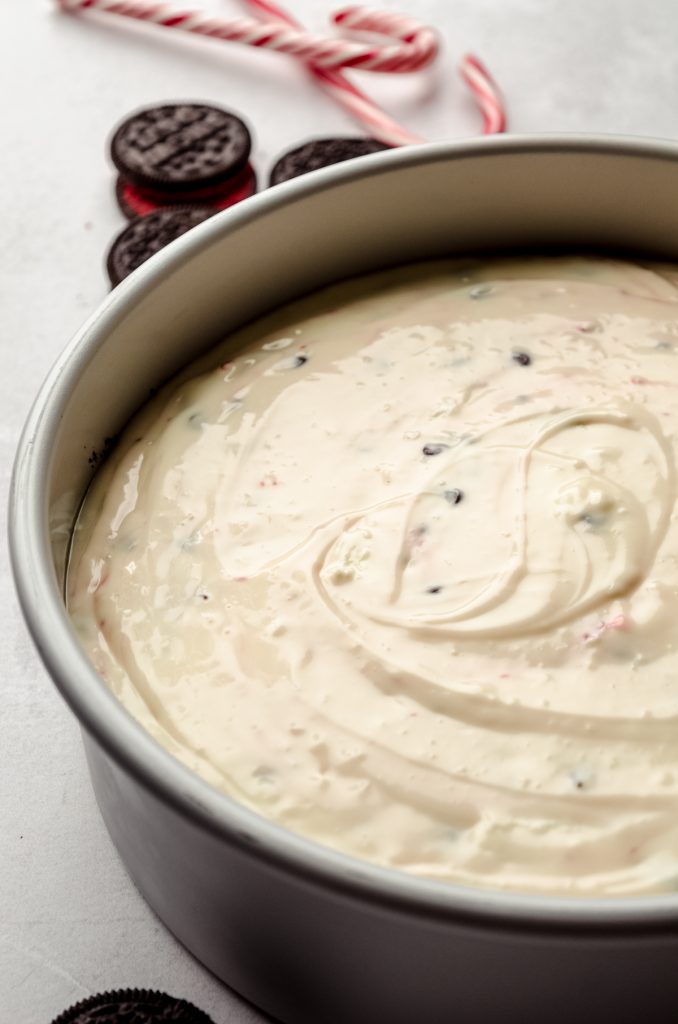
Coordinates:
[618,623]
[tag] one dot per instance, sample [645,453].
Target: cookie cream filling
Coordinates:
[400,572]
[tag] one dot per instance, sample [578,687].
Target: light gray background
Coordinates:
[71,922]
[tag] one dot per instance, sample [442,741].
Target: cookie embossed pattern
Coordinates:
[178,153]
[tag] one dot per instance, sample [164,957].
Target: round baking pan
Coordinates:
[306,933]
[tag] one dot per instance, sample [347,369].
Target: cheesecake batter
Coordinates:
[401,572]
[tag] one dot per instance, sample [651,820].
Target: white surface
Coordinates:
[71,922]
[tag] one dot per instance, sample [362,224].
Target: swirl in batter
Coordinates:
[402,574]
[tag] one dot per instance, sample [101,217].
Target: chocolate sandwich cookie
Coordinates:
[321,153]
[133,1006]
[145,236]
[178,148]
[136,202]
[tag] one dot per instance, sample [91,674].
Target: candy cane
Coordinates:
[360,106]
[473,72]
[487,94]
[416,45]
[412,47]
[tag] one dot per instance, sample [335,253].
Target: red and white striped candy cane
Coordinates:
[487,94]
[360,106]
[364,110]
[412,47]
